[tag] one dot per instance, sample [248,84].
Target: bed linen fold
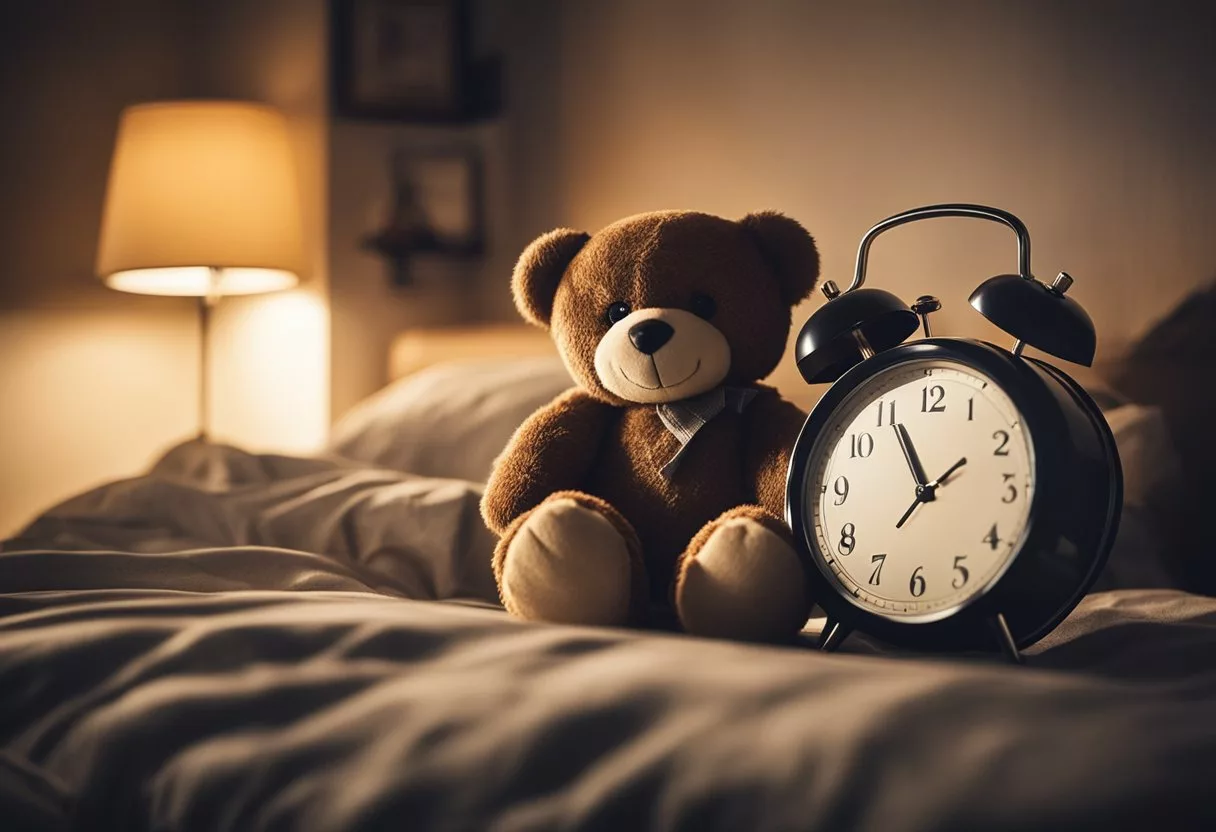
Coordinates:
[243,642]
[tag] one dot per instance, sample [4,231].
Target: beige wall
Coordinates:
[1093,121]
[517,152]
[366,309]
[95,384]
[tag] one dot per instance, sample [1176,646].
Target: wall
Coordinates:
[1093,121]
[516,151]
[96,383]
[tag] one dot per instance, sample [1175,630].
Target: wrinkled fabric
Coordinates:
[248,642]
[323,709]
[408,535]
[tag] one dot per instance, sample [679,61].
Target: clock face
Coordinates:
[919,489]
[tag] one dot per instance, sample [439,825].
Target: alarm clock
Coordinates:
[949,494]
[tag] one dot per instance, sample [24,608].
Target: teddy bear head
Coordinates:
[662,306]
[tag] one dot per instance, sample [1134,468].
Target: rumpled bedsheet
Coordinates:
[155,676]
[418,537]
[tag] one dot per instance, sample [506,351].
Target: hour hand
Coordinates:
[905,444]
[908,513]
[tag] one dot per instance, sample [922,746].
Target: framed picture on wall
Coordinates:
[435,208]
[400,60]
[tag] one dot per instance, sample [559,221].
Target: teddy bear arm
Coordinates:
[773,427]
[553,450]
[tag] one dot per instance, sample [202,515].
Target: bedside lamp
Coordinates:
[202,201]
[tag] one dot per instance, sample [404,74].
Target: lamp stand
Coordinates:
[205,303]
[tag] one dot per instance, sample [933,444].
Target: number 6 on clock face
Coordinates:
[921,485]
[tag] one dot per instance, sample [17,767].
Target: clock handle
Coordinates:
[832,635]
[953,209]
[1033,313]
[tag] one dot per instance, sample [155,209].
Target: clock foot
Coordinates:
[833,634]
[1008,646]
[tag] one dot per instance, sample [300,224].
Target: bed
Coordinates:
[247,641]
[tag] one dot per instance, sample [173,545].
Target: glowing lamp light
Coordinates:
[198,281]
[202,201]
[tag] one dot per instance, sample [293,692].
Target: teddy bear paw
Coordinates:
[745,582]
[567,563]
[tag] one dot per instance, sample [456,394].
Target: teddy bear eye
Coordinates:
[703,306]
[616,311]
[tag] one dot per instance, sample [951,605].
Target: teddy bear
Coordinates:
[657,484]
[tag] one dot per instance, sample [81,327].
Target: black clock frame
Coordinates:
[1073,519]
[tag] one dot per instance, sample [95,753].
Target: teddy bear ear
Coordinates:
[540,269]
[789,251]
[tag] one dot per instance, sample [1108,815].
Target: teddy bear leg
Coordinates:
[741,578]
[573,559]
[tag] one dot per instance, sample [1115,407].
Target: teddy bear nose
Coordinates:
[649,336]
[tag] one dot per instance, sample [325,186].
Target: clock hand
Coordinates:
[905,444]
[942,479]
[911,509]
[927,493]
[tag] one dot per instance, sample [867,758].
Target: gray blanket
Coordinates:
[238,642]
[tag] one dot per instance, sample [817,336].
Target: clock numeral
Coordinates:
[991,538]
[890,409]
[938,394]
[860,445]
[848,538]
[1002,449]
[841,487]
[917,585]
[971,409]
[1011,490]
[960,580]
[876,575]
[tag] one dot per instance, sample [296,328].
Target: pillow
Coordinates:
[1169,367]
[1152,479]
[1151,465]
[449,420]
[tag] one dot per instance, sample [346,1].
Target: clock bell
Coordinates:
[860,322]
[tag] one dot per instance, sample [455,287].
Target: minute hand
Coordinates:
[942,479]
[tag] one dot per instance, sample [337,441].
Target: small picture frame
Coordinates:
[449,188]
[400,60]
[435,208]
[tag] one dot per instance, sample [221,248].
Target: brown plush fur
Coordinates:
[592,442]
[539,270]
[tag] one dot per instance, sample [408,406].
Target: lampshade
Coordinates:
[202,199]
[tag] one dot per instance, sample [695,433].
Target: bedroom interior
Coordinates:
[244,633]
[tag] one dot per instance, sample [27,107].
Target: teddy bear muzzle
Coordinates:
[661,355]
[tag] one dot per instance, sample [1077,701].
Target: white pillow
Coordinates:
[1151,482]
[450,420]
[1151,465]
